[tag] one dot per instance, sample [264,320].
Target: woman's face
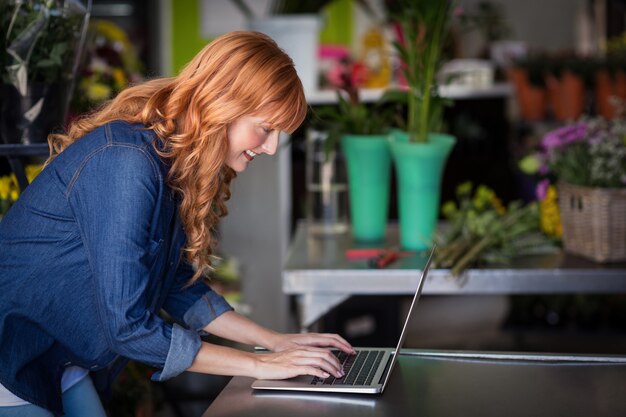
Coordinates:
[248,137]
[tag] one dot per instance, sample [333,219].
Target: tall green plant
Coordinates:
[424,26]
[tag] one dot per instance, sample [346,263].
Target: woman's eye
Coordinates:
[267,129]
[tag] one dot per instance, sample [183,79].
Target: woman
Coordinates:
[120,224]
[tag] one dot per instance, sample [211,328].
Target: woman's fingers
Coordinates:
[331,340]
[320,358]
[341,343]
[301,361]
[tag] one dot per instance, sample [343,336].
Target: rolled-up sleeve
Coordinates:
[183,350]
[195,305]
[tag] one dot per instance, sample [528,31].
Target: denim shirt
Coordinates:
[89,255]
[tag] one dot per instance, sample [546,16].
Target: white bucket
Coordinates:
[298,36]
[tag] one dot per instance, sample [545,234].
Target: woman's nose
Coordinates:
[271,144]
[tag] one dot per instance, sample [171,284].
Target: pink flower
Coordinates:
[542,189]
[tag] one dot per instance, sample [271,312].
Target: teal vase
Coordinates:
[419,169]
[369,165]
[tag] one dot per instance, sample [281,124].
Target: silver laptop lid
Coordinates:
[416,297]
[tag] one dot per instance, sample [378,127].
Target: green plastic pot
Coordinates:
[419,169]
[368,161]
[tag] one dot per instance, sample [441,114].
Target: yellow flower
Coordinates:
[483,197]
[464,188]
[529,164]
[449,209]
[119,78]
[496,203]
[32,171]
[5,187]
[550,216]
[111,31]
[98,92]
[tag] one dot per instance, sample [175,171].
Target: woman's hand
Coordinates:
[293,362]
[303,354]
[292,354]
[285,341]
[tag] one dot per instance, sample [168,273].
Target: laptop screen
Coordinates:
[416,297]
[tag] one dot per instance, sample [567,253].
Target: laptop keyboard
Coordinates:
[359,369]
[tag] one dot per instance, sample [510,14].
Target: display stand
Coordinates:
[17,153]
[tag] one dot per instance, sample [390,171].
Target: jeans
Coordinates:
[81,400]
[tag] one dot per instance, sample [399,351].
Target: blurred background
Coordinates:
[511,71]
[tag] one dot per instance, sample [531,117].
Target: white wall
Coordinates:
[546,25]
[256,232]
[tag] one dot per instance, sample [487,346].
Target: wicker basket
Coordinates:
[594,222]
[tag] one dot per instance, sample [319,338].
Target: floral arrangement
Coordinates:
[40,40]
[480,229]
[112,64]
[351,115]
[10,190]
[590,153]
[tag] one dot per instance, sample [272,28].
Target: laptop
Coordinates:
[367,372]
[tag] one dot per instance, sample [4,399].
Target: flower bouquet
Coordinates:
[480,229]
[587,161]
[111,65]
[41,44]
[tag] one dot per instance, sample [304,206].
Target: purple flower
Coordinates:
[564,136]
[595,140]
[542,189]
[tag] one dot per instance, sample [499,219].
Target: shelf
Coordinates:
[16,150]
[370,95]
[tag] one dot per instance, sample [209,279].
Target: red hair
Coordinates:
[240,73]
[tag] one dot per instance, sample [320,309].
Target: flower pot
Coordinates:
[298,36]
[531,99]
[607,90]
[419,169]
[31,117]
[594,221]
[566,96]
[368,161]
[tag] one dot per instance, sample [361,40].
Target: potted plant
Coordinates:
[528,78]
[41,41]
[362,132]
[566,80]
[420,152]
[587,161]
[610,84]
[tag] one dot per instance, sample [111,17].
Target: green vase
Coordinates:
[419,169]
[369,164]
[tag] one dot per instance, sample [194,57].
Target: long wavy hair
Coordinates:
[240,73]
